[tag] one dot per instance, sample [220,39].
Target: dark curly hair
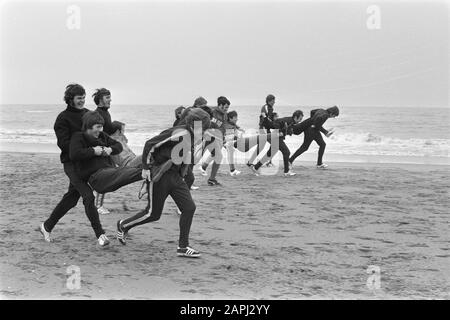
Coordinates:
[73,90]
[99,94]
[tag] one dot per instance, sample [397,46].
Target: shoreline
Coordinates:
[309,156]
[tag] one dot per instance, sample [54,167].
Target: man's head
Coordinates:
[102,98]
[270,100]
[197,114]
[75,96]
[200,102]
[297,116]
[232,117]
[275,116]
[179,112]
[223,104]
[92,123]
[333,111]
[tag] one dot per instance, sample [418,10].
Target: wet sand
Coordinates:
[309,236]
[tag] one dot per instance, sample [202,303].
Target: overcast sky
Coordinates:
[306,53]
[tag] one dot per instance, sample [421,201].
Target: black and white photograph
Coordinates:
[225,151]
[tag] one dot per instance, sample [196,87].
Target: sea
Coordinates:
[418,135]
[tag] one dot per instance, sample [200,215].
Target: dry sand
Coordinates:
[305,237]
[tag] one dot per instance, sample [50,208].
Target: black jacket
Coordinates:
[284,125]
[66,124]
[82,153]
[109,127]
[319,116]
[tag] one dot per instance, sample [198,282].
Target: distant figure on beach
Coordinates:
[215,144]
[266,117]
[312,132]
[66,125]
[165,177]
[115,129]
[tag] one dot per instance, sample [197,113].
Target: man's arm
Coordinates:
[62,132]
[115,145]
[78,151]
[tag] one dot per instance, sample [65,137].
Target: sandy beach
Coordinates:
[306,237]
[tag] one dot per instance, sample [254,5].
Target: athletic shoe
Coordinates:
[255,171]
[45,233]
[202,171]
[103,240]
[121,234]
[235,173]
[289,173]
[269,164]
[322,166]
[102,210]
[188,252]
[194,187]
[179,212]
[249,164]
[213,182]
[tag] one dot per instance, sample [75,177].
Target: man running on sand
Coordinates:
[284,125]
[164,174]
[313,133]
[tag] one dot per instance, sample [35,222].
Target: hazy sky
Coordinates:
[306,53]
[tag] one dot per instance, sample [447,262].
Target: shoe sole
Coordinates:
[183,255]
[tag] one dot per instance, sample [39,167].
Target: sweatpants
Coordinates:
[190,178]
[285,152]
[311,134]
[171,184]
[212,145]
[112,178]
[77,188]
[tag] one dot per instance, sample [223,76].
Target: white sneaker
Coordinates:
[256,172]
[289,173]
[194,187]
[235,173]
[102,210]
[45,233]
[179,212]
[322,166]
[103,240]
[202,171]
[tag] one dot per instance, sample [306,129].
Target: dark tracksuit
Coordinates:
[317,119]
[100,171]
[68,123]
[109,126]
[284,125]
[167,179]
[218,120]
[189,178]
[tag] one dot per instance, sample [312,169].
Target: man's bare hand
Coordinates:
[107,151]
[97,150]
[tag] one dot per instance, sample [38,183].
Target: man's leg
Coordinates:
[285,151]
[69,200]
[308,138]
[190,178]
[180,193]
[156,197]
[319,140]
[110,179]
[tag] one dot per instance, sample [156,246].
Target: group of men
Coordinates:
[96,157]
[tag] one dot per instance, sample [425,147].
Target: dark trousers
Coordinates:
[189,178]
[311,134]
[171,184]
[283,148]
[77,188]
[110,179]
